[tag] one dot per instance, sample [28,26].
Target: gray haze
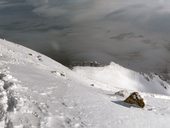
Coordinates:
[133,33]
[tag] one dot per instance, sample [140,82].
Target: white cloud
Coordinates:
[95,21]
[52,11]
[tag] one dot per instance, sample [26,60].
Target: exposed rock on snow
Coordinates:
[135,99]
[85,63]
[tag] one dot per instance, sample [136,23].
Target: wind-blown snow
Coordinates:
[37,92]
[115,75]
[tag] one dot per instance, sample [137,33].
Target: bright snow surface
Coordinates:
[37,92]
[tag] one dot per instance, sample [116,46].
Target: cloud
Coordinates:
[130,32]
[90,9]
[52,11]
[76,9]
[2,2]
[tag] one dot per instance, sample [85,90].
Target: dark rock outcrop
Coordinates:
[135,99]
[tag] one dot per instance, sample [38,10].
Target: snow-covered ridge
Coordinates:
[117,76]
[109,77]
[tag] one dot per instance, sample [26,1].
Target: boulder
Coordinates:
[135,99]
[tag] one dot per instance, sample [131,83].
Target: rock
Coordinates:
[122,93]
[92,85]
[85,63]
[135,99]
[39,58]
[62,74]
[53,71]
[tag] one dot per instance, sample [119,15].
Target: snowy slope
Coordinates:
[37,92]
[115,75]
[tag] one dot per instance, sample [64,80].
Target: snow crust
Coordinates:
[37,92]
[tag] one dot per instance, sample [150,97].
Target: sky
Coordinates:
[133,33]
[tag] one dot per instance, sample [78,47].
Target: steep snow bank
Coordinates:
[117,76]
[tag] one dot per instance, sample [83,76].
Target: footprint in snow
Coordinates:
[6,87]
[8,99]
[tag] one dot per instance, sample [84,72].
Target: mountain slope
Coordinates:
[37,92]
[117,76]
